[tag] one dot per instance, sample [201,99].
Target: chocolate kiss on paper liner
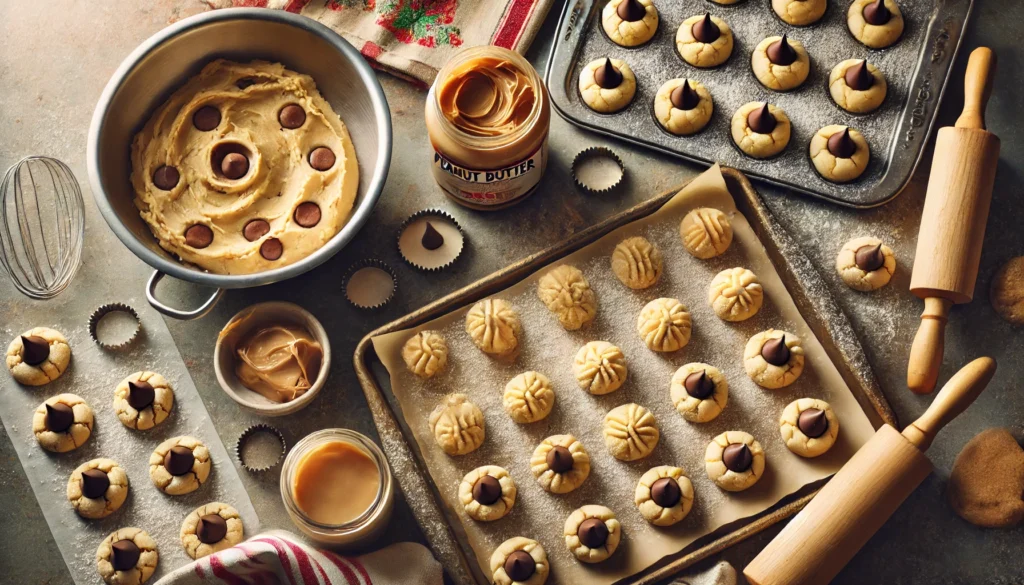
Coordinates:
[414,235]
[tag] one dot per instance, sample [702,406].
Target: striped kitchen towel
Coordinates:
[279,557]
[413,39]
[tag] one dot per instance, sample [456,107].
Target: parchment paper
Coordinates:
[547,348]
[93,374]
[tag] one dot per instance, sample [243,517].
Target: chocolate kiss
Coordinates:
[607,76]
[486,490]
[699,385]
[858,77]
[140,394]
[869,258]
[877,13]
[432,239]
[841,145]
[813,422]
[593,533]
[737,457]
[211,528]
[705,30]
[59,417]
[781,52]
[124,555]
[684,97]
[520,566]
[631,10]
[94,483]
[775,352]
[665,492]
[179,460]
[761,120]
[559,460]
[34,350]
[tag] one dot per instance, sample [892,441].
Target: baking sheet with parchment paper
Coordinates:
[93,374]
[547,348]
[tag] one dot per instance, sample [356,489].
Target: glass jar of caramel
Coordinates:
[337,487]
[488,116]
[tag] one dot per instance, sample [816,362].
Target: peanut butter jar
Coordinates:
[488,116]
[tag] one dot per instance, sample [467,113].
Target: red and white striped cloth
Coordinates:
[279,557]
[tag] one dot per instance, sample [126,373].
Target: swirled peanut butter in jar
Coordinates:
[488,117]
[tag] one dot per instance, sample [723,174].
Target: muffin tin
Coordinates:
[916,69]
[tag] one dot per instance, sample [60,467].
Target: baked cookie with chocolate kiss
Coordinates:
[839,153]
[629,23]
[704,40]
[857,86]
[865,263]
[780,63]
[683,106]
[875,23]
[607,85]
[774,359]
[760,130]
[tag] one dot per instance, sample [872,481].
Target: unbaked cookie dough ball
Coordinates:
[560,464]
[774,359]
[780,63]
[683,106]
[180,465]
[865,263]
[699,391]
[760,130]
[1007,292]
[704,40]
[494,327]
[425,354]
[457,425]
[143,400]
[630,432]
[987,481]
[38,356]
[607,85]
[487,493]
[735,294]
[211,528]
[528,397]
[839,153]
[636,263]
[809,427]
[566,293]
[62,423]
[706,232]
[664,495]
[630,23]
[592,533]
[664,325]
[734,460]
[875,23]
[800,12]
[97,488]
[127,557]
[519,560]
[600,367]
[857,86]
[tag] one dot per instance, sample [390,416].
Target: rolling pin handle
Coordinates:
[926,352]
[981,70]
[958,393]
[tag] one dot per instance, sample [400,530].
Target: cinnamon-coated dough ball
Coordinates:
[457,425]
[664,325]
[494,327]
[630,432]
[780,77]
[654,512]
[800,12]
[856,277]
[692,408]
[875,36]
[528,397]
[832,167]
[735,294]
[607,100]
[566,293]
[600,367]
[636,262]
[852,100]
[560,482]
[578,547]
[529,546]
[768,375]
[494,510]
[683,122]
[629,33]
[706,232]
[794,436]
[728,479]
[426,353]
[701,54]
[755,144]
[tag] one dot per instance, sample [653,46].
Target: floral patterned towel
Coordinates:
[413,39]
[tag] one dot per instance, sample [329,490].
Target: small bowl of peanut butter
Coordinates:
[272,358]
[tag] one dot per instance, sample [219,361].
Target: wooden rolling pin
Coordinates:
[854,504]
[953,221]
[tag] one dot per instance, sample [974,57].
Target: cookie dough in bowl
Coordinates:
[245,168]
[143,400]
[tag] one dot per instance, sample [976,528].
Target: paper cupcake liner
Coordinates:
[104,310]
[427,213]
[591,153]
[247,435]
[369,263]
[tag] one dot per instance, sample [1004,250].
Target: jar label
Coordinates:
[491,186]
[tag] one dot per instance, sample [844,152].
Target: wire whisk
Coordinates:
[42,225]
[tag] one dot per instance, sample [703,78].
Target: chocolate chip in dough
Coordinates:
[869,258]
[432,239]
[198,236]
[234,165]
[877,13]
[631,10]
[559,459]
[705,30]
[292,116]
[841,145]
[520,566]
[684,97]
[165,178]
[307,214]
[211,528]
[322,158]
[762,120]
[59,417]
[179,460]
[593,532]
[699,385]
[94,483]
[256,229]
[737,457]
[140,394]
[206,118]
[775,351]
[34,350]
[124,555]
[665,492]
[272,249]
[607,76]
[486,490]
[812,422]
[781,52]
[858,77]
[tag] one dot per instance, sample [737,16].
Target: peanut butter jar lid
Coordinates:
[431,240]
[260,448]
[114,326]
[597,170]
[369,284]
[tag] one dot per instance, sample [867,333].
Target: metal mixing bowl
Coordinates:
[166,60]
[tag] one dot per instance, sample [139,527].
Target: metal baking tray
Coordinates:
[441,526]
[916,69]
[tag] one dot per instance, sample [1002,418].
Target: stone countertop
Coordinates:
[59,55]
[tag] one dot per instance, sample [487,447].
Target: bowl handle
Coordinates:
[177,313]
